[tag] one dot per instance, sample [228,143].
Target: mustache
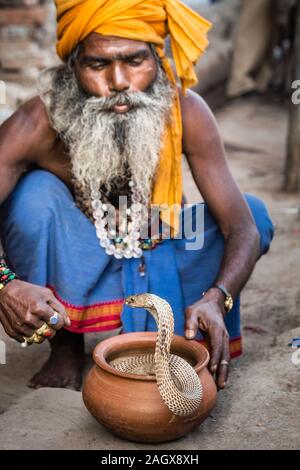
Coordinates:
[138,99]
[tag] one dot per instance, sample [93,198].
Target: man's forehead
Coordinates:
[96,43]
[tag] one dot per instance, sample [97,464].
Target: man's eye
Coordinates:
[98,66]
[135,63]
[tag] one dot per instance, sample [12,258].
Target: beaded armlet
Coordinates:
[6,275]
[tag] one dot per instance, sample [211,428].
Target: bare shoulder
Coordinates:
[35,109]
[198,121]
[194,106]
[29,128]
[34,115]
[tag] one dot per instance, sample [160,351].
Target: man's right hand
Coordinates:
[24,307]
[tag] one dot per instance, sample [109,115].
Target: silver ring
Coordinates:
[54,319]
[224,363]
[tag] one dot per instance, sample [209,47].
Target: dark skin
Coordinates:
[105,66]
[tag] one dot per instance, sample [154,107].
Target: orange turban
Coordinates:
[147,21]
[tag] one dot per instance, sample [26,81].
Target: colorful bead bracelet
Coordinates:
[6,275]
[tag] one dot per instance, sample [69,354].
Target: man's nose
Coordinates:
[118,80]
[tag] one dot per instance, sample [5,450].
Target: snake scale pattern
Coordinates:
[178,383]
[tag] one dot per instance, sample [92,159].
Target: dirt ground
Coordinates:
[260,407]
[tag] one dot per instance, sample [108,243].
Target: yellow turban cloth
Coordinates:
[147,21]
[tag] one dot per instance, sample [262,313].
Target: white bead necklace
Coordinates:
[128,246]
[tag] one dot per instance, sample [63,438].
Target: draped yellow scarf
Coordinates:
[147,21]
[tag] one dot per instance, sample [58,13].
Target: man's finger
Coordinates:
[32,318]
[191,324]
[24,330]
[47,312]
[223,369]
[56,305]
[216,341]
[18,338]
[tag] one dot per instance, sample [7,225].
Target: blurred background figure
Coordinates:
[255,48]
[262,44]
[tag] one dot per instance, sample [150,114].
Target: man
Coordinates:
[113,122]
[265,25]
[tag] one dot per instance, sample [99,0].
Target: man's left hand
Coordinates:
[208,315]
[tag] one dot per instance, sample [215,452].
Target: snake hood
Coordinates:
[178,383]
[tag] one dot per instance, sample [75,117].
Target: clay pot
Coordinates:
[130,406]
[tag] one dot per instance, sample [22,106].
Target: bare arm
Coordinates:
[12,156]
[24,306]
[205,153]
[204,150]
[23,137]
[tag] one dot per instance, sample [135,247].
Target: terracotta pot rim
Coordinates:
[135,340]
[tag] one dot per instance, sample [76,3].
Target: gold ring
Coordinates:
[39,336]
[35,338]
[45,331]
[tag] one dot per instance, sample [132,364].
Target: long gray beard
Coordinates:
[107,148]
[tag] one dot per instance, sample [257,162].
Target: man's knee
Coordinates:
[263,221]
[34,200]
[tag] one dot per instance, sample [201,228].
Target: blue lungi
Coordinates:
[48,241]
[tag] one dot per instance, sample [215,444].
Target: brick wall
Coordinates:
[17,3]
[24,36]
[27,45]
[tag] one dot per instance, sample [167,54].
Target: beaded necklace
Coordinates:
[127,243]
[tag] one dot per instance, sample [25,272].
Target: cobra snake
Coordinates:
[178,383]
